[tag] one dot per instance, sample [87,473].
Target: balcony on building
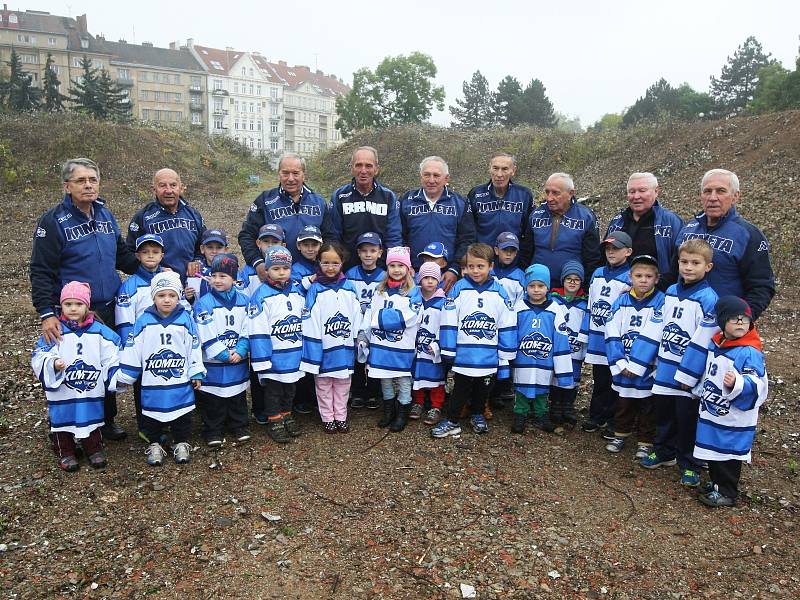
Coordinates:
[219,112]
[196,107]
[125,82]
[196,89]
[219,92]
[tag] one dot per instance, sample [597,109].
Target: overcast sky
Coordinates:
[593,57]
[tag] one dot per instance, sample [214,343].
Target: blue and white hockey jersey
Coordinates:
[365,282]
[629,316]
[276,332]
[575,310]
[75,395]
[687,316]
[200,281]
[512,278]
[478,327]
[222,322]
[429,372]
[248,281]
[331,322]
[165,353]
[543,353]
[727,422]
[133,298]
[302,268]
[391,323]
[607,284]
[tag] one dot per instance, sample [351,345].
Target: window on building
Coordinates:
[236,106]
[217,123]
[196,81]
[251,75]
[273,93]
[218,104]
[259,143]
[178,97]
[176,78]
[235,87]
[84,43]
[196,119]
[123,73]
[29,59]
[252,126]
[273,127]
[51,41]
[252,88]
[273,145]
[25,38]
[258,90]
[145,114]
[244,72]
[218,84]
[259,124]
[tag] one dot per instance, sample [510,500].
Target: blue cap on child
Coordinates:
[537,272]
[272,230]
[507,240]
[369,237]
[434,250]
[149,237]
[214,235]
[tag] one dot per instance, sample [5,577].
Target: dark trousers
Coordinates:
[725,474]
[628,410]
[217,412]
[604,398]
[306,392]
[256,394]
[137,402]
[466,389]
[362,386]
[278,398]
[562,405]
[180,427]
[676,426]
[64,443]
[106,314]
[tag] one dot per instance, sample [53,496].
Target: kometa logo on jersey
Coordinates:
[288,329]
[572,336]
[674,339]
[712,400]
[81,376]
[601,312]
[338,326]
[165,364]
[479,325]
[627,341]
[229,338]
[424,340]
[536,345]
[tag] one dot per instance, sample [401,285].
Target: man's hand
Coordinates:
[261,271]
[196,384]
[59,365]
[188,293]
[192,268]
[51,330]
[234,357]
[449,279]
[730,379]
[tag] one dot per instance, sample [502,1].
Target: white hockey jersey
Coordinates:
[133,298]
[607,284]
[391,324]
[429,371]
[276,333]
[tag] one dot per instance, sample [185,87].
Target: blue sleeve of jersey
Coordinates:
[223,356]
[242,347]
[448,329]
[693,365]
[749,365]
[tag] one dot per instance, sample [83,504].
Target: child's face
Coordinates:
[439,260]
[572,284]
[428,285]
[369,255]
[737,327]
[150,255]
[222,282]
[644,278]
[74,310]
[279,273]
[505,256]
[397,271]
[210,249]
[330,263]
[478,269]
[537,292]
[309,248]
[616,256]
[165,302]
[265,242]
[693,267]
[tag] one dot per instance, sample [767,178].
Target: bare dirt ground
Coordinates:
[369,515]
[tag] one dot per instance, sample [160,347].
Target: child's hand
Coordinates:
[59,365]
[730,379]
[685,387]
[196,384]
[234,357]
[188,293]
[626,373]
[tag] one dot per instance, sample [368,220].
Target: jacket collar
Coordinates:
[751,338]
[419,194]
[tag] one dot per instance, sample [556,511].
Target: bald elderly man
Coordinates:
[170,216]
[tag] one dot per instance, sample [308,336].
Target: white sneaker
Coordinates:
[643,450]
[182,453]
[155,454]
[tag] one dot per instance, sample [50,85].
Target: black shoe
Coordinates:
[372,403]
[112,431]
[98,460]
[544,423]
[292,427]
[519,423]
[357,402]
[302,408]
[590,426]
[608,434]
[389,412]
[401,420]
[277,431]
[241,435]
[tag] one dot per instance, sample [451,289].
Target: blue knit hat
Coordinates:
[277,256]
[537,272]
[572,267]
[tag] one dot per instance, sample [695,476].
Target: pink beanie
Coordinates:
[77,290]
[430,269]
[399,254]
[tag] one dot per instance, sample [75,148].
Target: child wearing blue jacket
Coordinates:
[730,378]
[388,337]
[543,353]
[221,319]
[269,235]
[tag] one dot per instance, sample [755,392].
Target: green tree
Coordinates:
[663,102]
[476,109]
[508,102]
[400,91]
[568,124]
[608,122]
[115,102]
[17,92]
[737,83]
[85,92]
[772,92]
[53,99]
[535,106]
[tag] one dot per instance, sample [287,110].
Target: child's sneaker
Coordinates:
[182,453]
[651,461]
[292,427]
[479,424]
[446,428]
[327,427]
[642,450]
[261,419]
[277,431]
[716,500]
[690,478]
[342,426]
[616,445]
[705,488]
[98,460]
[68,464]
[241,434]
[416,411]
[432,417]
[608,434]
[155,454]
[372,403]
[357,402]
[214,441]
[590,426]
[519,423]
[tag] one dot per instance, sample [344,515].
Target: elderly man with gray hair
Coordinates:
[435,213]
[741,252]
[652,227]
[79,240]
[561,229]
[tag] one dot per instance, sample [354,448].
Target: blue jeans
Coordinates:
[404,386]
